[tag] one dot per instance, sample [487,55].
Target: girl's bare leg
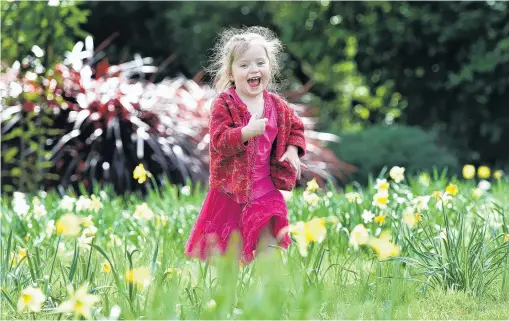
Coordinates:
[267,241]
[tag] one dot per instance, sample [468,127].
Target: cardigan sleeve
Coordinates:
[224,137]
[296,136]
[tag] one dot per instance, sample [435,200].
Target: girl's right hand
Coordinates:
[255,126]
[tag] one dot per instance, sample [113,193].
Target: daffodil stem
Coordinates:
[46,290]
[156,188]
[89,259]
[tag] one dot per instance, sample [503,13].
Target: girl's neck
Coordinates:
[250,100]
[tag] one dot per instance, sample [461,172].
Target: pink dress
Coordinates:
[223,214]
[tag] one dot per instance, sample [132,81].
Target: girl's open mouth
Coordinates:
[254,82]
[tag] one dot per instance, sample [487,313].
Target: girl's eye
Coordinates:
[243,66]
[261,63]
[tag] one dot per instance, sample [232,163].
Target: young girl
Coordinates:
[256,142]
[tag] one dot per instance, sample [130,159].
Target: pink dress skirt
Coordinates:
[222,213]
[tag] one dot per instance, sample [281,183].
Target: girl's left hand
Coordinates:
[291,155]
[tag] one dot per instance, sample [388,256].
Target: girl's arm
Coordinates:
[296,137]
[224,137]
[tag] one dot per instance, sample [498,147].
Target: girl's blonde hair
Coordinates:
[232,43]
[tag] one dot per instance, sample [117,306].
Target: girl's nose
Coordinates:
[253,68]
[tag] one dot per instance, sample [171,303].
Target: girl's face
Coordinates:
[251,71]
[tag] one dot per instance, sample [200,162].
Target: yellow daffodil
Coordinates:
[80,302]
[418,217]
[305,233]
[22,253]
[437,195]
[358,236]
[141,174]
[468,171]
[68,225]
[498,174]
[451,189]
[382,184]
[141,276]
[31,299]
[384,248]
[381,199]
[312,186]
[106,267]
[380,219]
[316,230]
[484,172]
[397,173]
[506,238]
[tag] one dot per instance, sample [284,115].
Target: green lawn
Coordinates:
[419,253]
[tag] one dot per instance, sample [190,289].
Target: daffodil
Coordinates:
[353,197]
[436,195]
[484,172]
[424,179]
[311,198]
[50,228]
[316,230]
[68,225]
[380,219]
[305,233]
[410,219]
[140,276]
[468,171]
[358,236]
[506,238]
[312,186]
[381,184]
[397,173]
[141,174]
[381,199]
[83,203]
[106,267]
[80,302]
[384,248]
[498,174]
[421,202]
[67,203]
[451,189]
[20,205]
[143,212]
[477,193]
[31,299]
[39,211]
[95,203]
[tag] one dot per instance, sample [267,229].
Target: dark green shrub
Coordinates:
[410,147]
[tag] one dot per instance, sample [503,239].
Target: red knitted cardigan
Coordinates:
[232,161]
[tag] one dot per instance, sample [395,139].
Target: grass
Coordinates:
[452,263]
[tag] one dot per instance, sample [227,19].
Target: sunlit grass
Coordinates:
[128,253]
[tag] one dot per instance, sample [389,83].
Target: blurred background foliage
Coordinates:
[435,71]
